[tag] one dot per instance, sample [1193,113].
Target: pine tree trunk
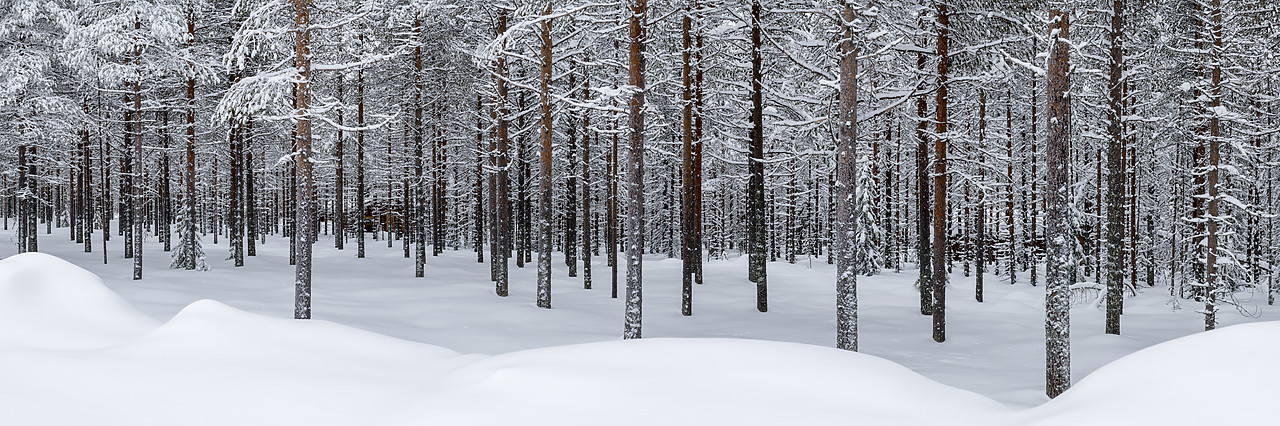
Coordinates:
[635,169]
[923,215]
[586,180]
[940,182]
[138,181]
[544,170]
[250,200]
[360,185]
[1115,172]
[1213,287]
[502,194]
[339,190]
[24,207]
[757,229]
[687,197]
[980,253]
[697,147]
[416,206]
[86,175]
[1035,178]
[1057,312]
[1008,212]
[302,161]
[846,223]
[477,212]
[571,190]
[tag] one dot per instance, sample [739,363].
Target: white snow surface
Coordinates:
[446,350]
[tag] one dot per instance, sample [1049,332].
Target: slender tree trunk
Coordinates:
[697,145]
[940,181]
[923,216]
[635,168]
[339,190]
[189,213]
[980,255]
[687,197]
[1057,302]
[586,179]
[86,173]
[1034,141]
[1008,211]
[757,229]
[1212,286]
[846,223]
[478,191]
[571,190]
[544,171]
[138,182]
[302,160]
[360,186]
[419,185]
[502,194]
[1115,171]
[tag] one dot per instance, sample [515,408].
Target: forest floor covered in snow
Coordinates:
[386,348]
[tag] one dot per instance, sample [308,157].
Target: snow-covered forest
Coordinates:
[1099,154]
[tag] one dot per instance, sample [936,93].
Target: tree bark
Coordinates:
[1115,171]
[544,170]
[635,168]
[940,181]
[302,160]
[687,196]
[846,223]
[1057,303]
[757,229]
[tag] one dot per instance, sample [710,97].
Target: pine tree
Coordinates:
[635,167]
[868,257]
[1057,312]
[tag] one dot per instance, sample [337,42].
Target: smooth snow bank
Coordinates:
[1225,376]
[49,303]
[215,365]
[74,353]
[695,382]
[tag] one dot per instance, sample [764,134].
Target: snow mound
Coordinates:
[49,303]
[209,331]
[1225,376]
[696,381]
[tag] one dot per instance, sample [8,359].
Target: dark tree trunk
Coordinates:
[688,255]
[940,182]
[757,229]
[586,180]
[980,252]
[635,169]
[846,223]
[360,186]
[923,216]
[571,191]
[1115,172]
[339,190]
[302,161]
[502,193]
[416,206]
[544,171]
[1057,302]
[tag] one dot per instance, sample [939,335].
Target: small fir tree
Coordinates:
[868,257]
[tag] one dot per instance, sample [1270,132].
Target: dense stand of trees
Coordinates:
[772,129]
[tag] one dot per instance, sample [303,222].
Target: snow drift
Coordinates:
[47,302]
[73,352]
[1225,376]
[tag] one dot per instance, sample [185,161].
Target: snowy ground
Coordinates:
[71,351]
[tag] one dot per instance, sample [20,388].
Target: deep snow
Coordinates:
[72,352]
